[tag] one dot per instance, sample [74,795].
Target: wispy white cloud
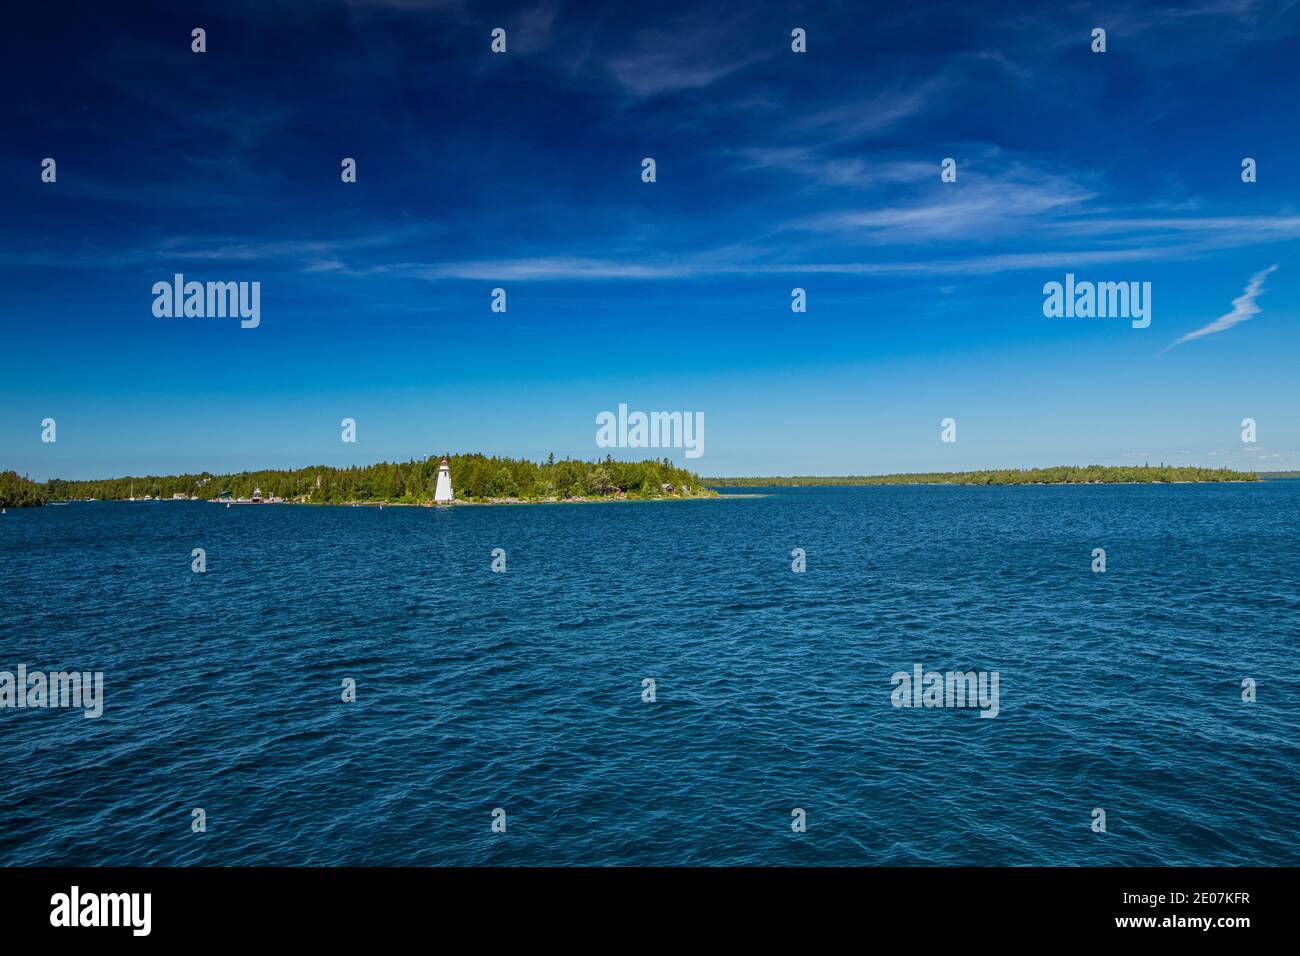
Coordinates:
[1259,228]
[663,71]
[544,267]
[407,4]
[806,163]
[325,265]
[315,250]
[530,29]
[1243,309]
[685,54]
[571,268]
[855,117]
[977,206]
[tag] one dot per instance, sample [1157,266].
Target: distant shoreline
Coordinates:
[1059,475]
[832,483]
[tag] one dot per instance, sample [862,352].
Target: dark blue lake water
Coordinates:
[523,690]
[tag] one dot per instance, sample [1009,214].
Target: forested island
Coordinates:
[1061,475]
[475,478]
[17,492]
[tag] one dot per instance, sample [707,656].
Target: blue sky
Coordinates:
[523,171]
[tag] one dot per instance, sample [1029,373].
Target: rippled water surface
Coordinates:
[522,690]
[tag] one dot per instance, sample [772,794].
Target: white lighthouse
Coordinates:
[442,493]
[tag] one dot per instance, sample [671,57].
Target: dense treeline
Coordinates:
[1062,475]
[18,492]
[474,478]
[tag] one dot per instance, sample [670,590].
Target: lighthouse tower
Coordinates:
[443,491]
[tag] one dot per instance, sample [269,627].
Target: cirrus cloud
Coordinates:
[1243,309]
